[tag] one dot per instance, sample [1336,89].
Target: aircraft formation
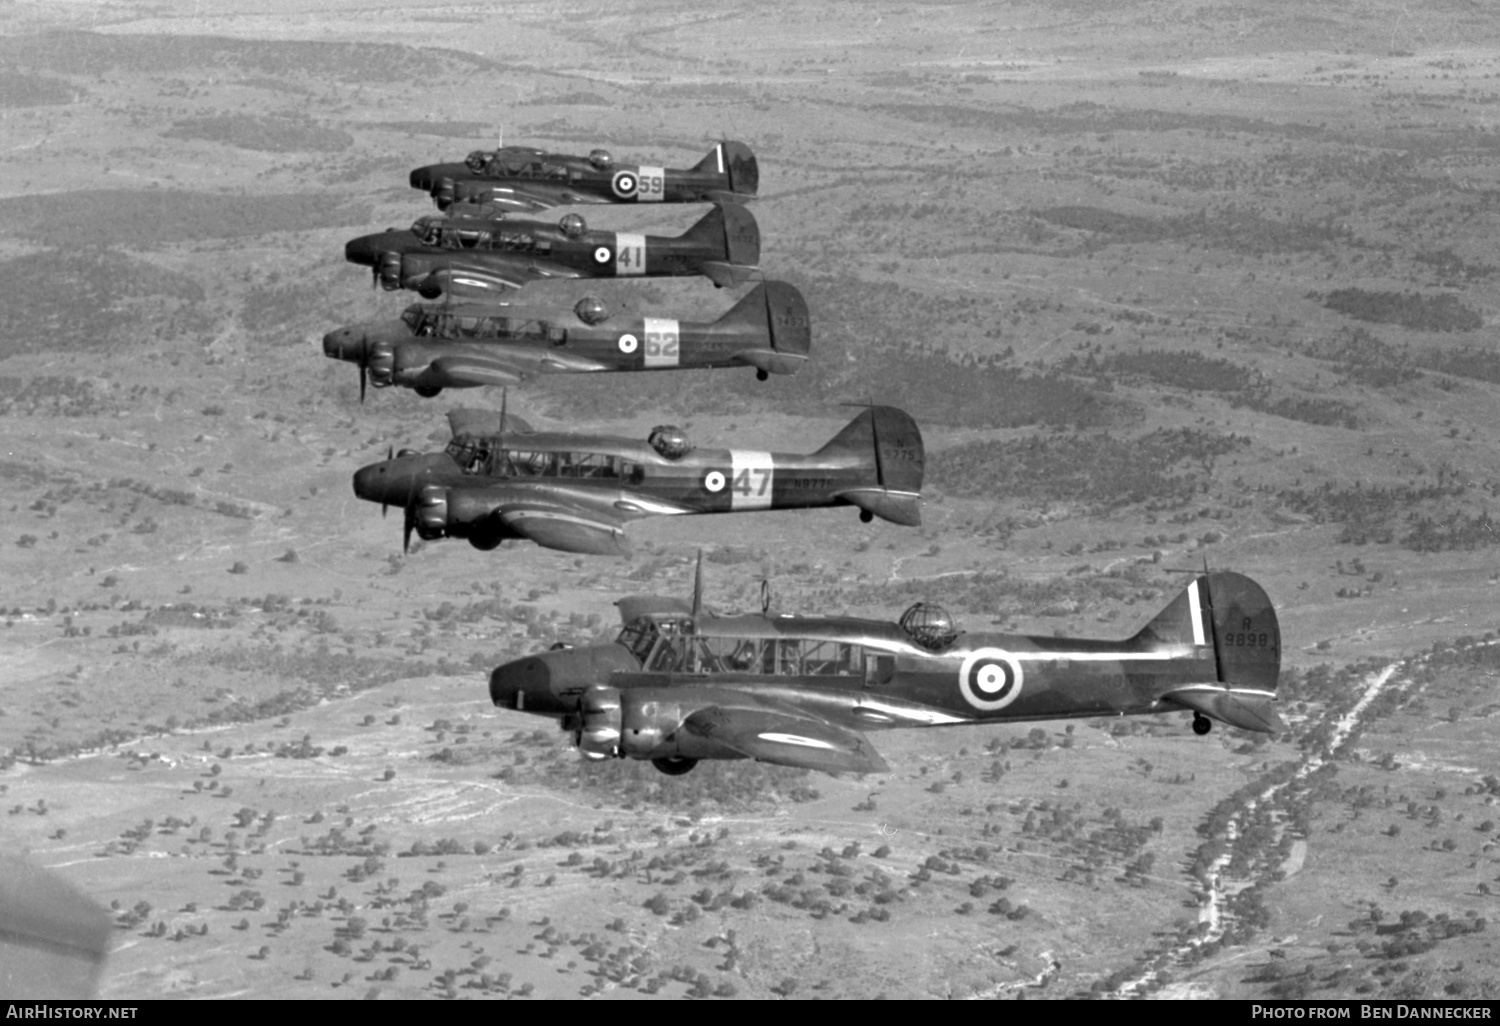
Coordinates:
[680,684]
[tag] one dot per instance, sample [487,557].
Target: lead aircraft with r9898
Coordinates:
[679,685]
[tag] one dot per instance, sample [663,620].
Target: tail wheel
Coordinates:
[674,766]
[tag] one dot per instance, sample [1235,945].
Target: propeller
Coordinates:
[364,378]
[409,523]
[390,451]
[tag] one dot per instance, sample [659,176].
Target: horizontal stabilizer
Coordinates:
[727,276]
[770,361]
[904,508]
[787,739]
[1238,707]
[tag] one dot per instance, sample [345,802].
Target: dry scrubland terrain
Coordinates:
[1165,284]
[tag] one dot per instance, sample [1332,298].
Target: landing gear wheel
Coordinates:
[426,391]
[1202,724]
[865,516]
[486,542]
[674,766]
[761,375]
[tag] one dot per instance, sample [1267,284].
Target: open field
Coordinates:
[1163,283]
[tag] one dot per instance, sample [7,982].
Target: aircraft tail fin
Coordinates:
[777,312]
[890,443]
[739,166]
[730,230]
[1232,618]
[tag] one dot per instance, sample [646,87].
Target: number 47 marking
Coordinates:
[742,481]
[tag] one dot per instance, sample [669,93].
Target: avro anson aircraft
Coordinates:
[521,178]
[485,255]
[467,345]
[679,685]
[498,480]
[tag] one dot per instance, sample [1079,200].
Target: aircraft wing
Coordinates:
[533,197]
[468,371]
[497,275]
[787,738]
[557,525]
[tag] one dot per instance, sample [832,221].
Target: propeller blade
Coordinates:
[364,380]
[407,527]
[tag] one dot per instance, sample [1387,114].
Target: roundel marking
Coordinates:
[714,481]
[628,343]
[624,184]
[990,679]
[602,255]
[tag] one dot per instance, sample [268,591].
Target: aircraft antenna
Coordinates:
[500,438]
[765,596]
[875,441]
[698,587]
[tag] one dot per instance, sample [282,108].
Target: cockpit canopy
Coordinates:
[601,159]
[929,626]
[679,644]
[591,310]
[573,225]
[475,161]
[670,441]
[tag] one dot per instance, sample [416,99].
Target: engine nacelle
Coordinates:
[380,360]
[599,719]
[442,193]
[432,512]
[388,267]
[459,513]
[639,724]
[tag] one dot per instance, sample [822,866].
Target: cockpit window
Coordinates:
[786,657]
[638,635]
[472,456]
[475,161]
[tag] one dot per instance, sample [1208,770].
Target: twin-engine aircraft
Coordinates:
[497,479]
[469,345]
[486,255]
[520,178]
[679,684]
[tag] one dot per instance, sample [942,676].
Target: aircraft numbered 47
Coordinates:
[498,480]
